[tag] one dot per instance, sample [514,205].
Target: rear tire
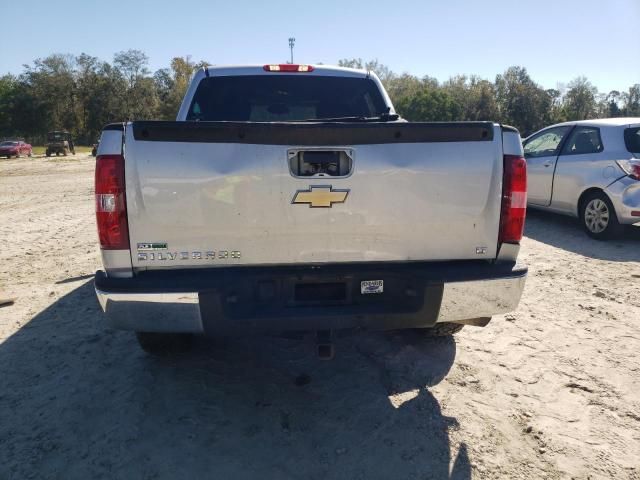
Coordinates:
[48,153]
[443,329]
[598,217]
[164,344]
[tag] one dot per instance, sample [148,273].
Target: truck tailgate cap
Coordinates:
[316,133]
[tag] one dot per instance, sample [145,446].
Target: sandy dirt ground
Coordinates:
[550,391]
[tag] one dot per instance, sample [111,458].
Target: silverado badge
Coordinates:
[320,196]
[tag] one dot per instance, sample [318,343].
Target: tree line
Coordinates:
[83,93]
[512,98]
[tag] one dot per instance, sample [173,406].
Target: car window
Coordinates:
[265,98]
[583,140]
[632,139]
[545,144]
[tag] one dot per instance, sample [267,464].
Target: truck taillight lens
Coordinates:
[111,205]
[514,199]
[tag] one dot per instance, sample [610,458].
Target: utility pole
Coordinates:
[292,42]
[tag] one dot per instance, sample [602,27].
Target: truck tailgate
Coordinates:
[221,193]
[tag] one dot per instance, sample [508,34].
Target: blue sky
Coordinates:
[555,40]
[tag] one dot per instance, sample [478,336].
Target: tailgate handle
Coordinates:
[320,163]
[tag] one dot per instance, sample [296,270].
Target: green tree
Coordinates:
[87,76]
[580,100]
[104,103]
[522,103]
[51,84]
[556,109]
[8,86]
[429,104]
[172,84]
[475,96]
[406,85]
[632,101]
[140,99]
[612,103]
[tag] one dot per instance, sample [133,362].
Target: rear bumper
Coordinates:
[625,196]
[245,300]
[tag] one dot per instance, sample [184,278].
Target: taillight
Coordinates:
[514,199]
[111,205]
[630,167]
[288,67]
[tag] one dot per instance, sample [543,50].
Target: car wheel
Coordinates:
[599,217]
[163,344]
[30,153]
[443,329]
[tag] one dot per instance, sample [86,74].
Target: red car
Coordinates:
[17,148]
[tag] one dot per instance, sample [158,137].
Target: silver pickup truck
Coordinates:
[293,197]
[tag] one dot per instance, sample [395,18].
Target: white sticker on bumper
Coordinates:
[371,286]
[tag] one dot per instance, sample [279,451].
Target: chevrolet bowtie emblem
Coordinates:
[323,196]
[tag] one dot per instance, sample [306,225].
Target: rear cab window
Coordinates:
[284,98]
[632,140]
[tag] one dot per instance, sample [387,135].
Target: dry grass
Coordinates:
[40,149]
